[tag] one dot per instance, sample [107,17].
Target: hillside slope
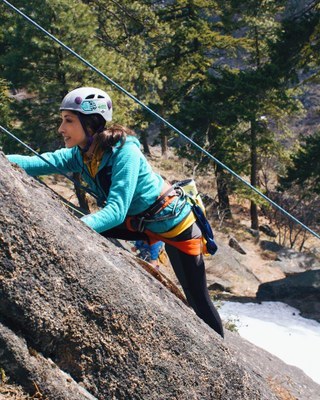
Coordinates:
[75,304]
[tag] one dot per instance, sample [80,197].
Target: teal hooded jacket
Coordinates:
[125,184]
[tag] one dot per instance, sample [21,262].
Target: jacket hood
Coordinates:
[129,140]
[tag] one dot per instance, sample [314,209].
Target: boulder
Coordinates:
[301,290]
[289,260]
[79,317]
[298,285]
[298,260]
[233,243]
[270,246]
[229,267]
[266,229]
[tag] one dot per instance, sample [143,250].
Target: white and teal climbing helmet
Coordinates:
[88,100]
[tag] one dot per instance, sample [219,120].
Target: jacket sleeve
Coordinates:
[125,173]
[61,160]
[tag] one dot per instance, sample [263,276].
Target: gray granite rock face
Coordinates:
[94,320]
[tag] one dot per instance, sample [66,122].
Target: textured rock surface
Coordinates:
[26,365]
[85,307]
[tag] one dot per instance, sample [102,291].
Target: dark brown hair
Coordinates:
[107,136]
[112,135]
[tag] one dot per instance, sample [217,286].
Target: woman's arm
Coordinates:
[125,173]
[63,160]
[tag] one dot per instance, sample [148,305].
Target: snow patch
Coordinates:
[280,330]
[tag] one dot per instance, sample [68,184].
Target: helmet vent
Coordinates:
[91,96]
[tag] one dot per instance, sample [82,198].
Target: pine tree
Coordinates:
[304,170]
[4,111]
[132,31]
[46,72]
[238,108]
[193,40]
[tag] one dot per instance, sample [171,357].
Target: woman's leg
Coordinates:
[124,234]
[190,271]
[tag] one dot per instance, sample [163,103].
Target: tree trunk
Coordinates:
[144,142]
[164,142]
[223,196]
[254,174]
[81,194]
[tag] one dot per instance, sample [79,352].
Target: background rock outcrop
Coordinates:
[301,290]
[79,315]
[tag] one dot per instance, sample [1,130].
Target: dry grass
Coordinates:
[268,255]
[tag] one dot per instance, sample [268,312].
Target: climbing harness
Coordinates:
[198,147]
[186,191]
[192,247]
[137,222]
[189,188]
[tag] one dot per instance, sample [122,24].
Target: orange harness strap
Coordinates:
[193,247]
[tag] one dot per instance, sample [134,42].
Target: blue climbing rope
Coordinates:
[88,64]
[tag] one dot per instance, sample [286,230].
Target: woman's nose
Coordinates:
[60,129]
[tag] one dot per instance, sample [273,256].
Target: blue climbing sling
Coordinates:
[205,228]
[190,190]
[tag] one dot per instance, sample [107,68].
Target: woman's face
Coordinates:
[71,130]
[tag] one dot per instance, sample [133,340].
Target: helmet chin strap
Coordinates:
[87,146]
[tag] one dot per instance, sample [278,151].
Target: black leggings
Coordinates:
[190,271]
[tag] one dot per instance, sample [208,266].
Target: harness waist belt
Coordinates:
[162,201]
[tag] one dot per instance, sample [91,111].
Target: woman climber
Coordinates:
[136,203]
